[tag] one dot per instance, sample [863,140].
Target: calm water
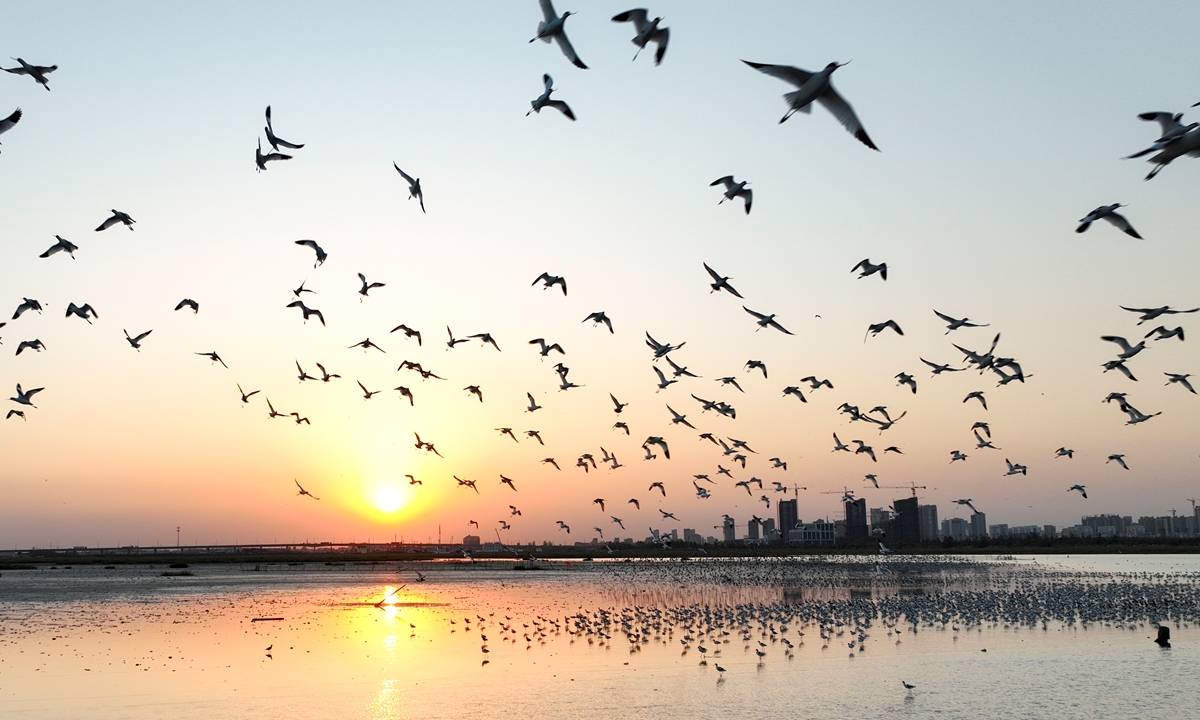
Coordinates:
[131,643]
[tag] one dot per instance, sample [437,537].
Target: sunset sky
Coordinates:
[999,127]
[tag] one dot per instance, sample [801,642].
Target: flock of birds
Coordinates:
[722,609]
[1175,140]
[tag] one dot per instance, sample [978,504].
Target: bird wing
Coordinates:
[1165,120]
[637,17]
[561,107]
[1122,224]
[104,225]
[139,338]
[548,81]
[403,174]
[787,73]
[661,36]
[1125,346]
[565,45]
[841,110]
[548,10]
[727,180]
[7,123]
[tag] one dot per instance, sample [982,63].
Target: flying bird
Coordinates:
[768,321]
[1127,350]
[274,139]
[1182,380]
[246,395]
[409,332]
[956,323]
[24,397]
[545,348]
[758,365]
[261,160]
[552,29]
[135,342]
[1155,313]
[648,31]
[1118,459]
[548,281]
[188,303]
[734,189]
[37,72]
[1015,468]
[906,379]
[544,100]
[63,245]
[366,345]
[875,329]
[978,395]
[815,86]
[27,304]
[303,491]
[869,268]
[82,312]
[720,283]
[598,318]
[214,358]
[368,287]
[414,186]
[1109,213]
[321,254]
[1162,333]
[1080,488]
[117,217]
[307,311]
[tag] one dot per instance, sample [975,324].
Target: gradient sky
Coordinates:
[1000,125]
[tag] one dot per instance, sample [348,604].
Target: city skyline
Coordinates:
[997,128]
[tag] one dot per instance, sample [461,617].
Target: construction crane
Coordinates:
[845,492]
[1193,501]
[797,488]
[910,486]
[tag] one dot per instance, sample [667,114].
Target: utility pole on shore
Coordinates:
[176,537]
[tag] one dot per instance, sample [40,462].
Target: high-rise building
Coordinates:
[789,516]
[906,526]
[856,520]
[768,528]
[1049,531]
[691,536]
[927,514]
[979,526]
[752,530]
[955,529]
[730,532]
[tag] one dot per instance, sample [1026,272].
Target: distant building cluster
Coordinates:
[906,522]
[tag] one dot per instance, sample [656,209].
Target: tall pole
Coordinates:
[176,536]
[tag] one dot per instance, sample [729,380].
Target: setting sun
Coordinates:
[389,498]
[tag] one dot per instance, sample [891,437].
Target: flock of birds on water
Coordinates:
[727,615]
[1175,140]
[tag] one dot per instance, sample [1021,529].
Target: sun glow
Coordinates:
[389,498]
